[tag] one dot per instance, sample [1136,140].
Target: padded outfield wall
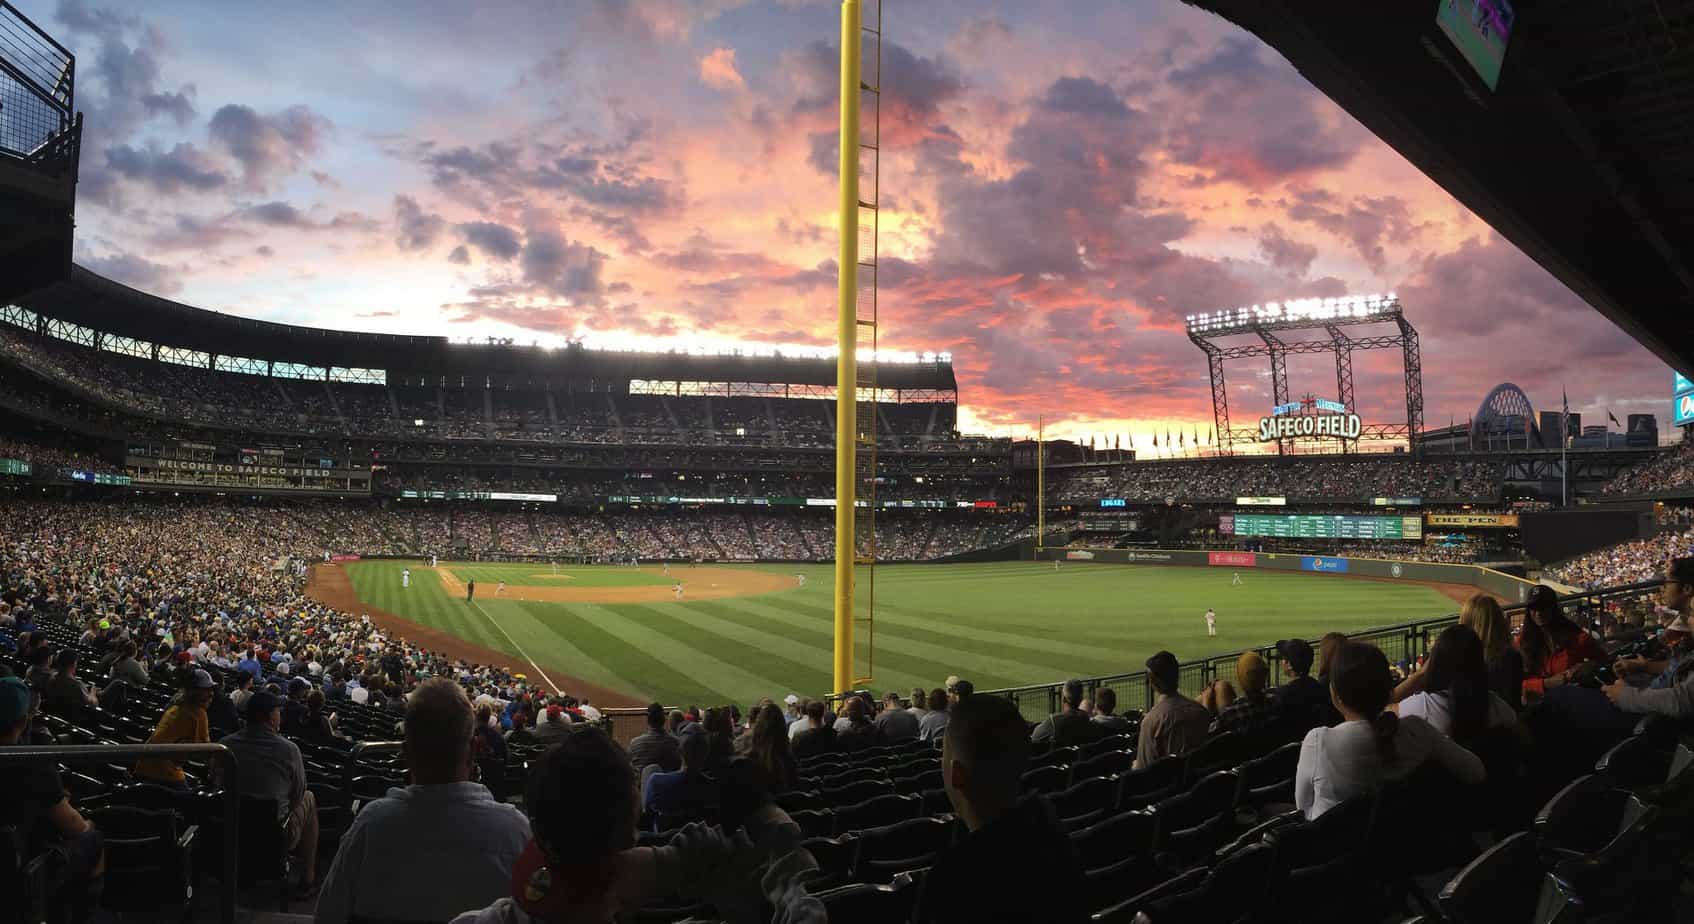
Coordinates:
[1499,583]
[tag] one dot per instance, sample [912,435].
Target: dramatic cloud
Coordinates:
[268,146]
[717,70]
[182,168]
[494,240]
[415,229]
[1285,253]
[139,272]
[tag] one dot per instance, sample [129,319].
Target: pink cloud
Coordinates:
[717,70]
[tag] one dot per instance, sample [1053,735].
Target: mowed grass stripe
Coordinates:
[530,626]
[807,647]
[923,662]
[645,672]
[712,660]
[1034,656]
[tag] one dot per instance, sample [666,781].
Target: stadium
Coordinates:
[228,539]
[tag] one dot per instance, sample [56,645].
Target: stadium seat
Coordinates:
[876,812]
[1108,743]
[1054,757]
[1318,862]
[262,851]
[1104,763]
[149,865]
[901,847]
[849,777]
[1639,760]
[835,857]
[1125,912]
[854,793]
[929,779]
[1219,752]
[1086,802]
[862,903]
[1125,835]
[1580,819]
[1502,886]
[1141,788]
[1267,780]
[1045,779]
[913,767]
[1234,890]
[935,802]
[799,800]
[1629,877]
[1194,823]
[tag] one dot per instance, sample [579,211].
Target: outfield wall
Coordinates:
[1495,582]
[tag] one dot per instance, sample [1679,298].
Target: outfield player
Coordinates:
[1211,623]
[1236,580]
[799,580]
[432,561]
[405,577]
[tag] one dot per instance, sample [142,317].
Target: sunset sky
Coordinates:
[1062,181]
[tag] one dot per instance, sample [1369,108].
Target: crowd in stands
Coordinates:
[313,406]
[1670,470]
[1410,551]
[1328,478]
[806,811]
[48,455]
[1626,563]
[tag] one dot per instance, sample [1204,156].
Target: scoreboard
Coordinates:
[1297,526]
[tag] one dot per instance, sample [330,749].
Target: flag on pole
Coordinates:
[1613,417]
[1564,416]
[1132,440]
[1181,439]
[1155,439]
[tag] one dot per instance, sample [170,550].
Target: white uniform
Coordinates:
[405,577]
[1211,624]
[1236,579]
[800,580]
[678,591]
[499,588]
[432,560]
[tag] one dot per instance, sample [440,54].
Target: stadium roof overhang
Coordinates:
[1583,155]
[94,301]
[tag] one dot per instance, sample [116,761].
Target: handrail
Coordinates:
[87,753]
[1413,629]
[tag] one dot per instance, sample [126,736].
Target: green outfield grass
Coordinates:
[1000,624]
[548,576]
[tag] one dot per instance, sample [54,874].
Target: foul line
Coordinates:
[515,645]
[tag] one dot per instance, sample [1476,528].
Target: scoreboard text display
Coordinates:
[1303,526]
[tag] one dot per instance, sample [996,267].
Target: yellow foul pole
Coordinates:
[1040,482]
[846,378]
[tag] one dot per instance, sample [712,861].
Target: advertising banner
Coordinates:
[1148,556]
[1232,559]
[1079,555]
[344,558]
[1324,563]
[1261,501]
[1476,520]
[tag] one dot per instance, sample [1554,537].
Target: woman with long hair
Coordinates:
[1482,614]
[1371,746]
[1456,699]
[1554,649]
[770,753]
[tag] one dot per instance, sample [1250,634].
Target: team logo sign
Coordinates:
[1310,417]
[1395,569]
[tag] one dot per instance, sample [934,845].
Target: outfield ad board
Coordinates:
[1232,559]
[1326,563]
[1472,520]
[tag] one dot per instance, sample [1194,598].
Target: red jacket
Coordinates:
[1582,648]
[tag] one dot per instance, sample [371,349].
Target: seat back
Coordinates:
[1045,779]
[876,812]
[1580,818]
[854,793]
[1502,886]
[900,847]
[1636,761]
[1122,836]
[1108,743]
[1157,899]
[1105,763]
[1143,787]
[147,868]
[861,903]
[262,850]
[1219,752]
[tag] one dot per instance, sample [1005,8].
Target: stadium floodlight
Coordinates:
[1296,311]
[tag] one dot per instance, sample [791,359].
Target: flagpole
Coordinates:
[1564,449]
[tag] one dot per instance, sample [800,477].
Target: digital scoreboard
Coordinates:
[1298,526]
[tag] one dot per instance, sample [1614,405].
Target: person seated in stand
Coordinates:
[271,768]
[66,691]
[1248,709]
[582,866]
[1371,746]
[520,733]
[1555,650]
[1071,724]
[444,829]
[1176,724]
[933,725]
[184,722]
[894,722]
[1301,701]
[1673,695]
[1105,713]
[34,803]
[1016,864]
[682,792]
[819,737]
[860,733]
[1456,699]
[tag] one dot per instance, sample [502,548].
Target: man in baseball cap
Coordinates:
[1302,701]
[184,722]
[271,768]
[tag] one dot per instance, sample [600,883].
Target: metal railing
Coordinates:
[107,753]
[1403,643]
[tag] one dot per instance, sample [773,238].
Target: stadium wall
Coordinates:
[1552,536]
[1495,582]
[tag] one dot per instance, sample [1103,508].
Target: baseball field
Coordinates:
[741,632]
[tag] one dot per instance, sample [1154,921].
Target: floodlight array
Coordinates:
[1295,311]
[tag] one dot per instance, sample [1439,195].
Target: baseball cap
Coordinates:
[262,703]
[200,680]
[298,683]
[791,699]
[1297,652]
[14,701]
